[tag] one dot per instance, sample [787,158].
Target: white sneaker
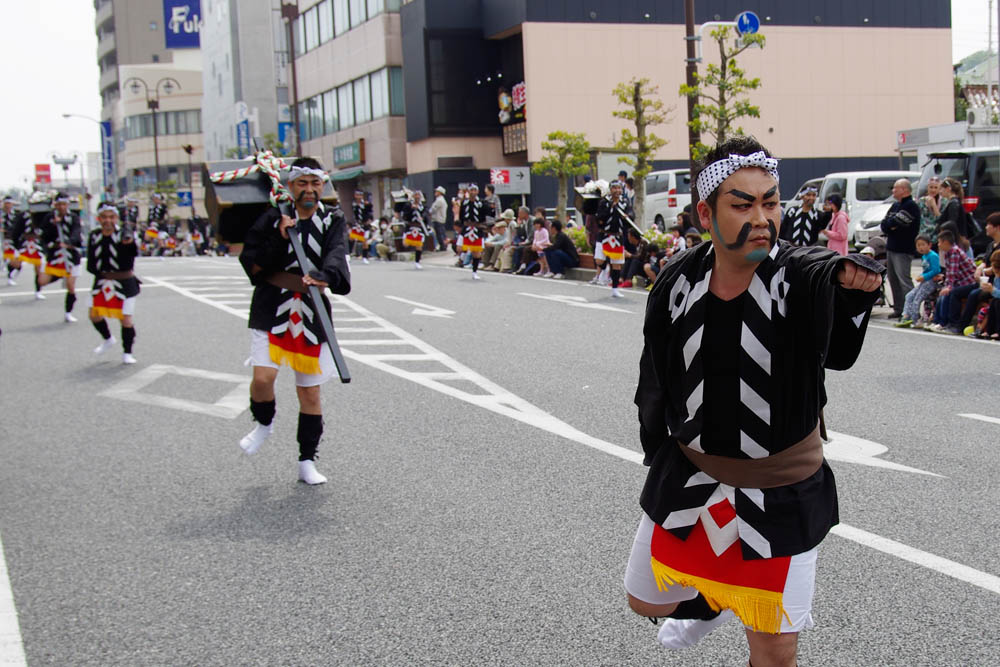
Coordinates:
[364,260]
[682,633]
[475,275]
[309,474]
[11,282]
[558,276]
[252,441]
[69,317]
[548,274]
[105,346]
[617,293]
[417,264]
[128,359]
[39,296]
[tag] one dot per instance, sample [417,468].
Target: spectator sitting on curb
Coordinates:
[693,238]
[677,242]
[977,294]
[635,250]
[511,255]
[959,280]
[991,328]
[562,254]
[657,258]
[386,247]
[497,241]
[931,265]
[992,230]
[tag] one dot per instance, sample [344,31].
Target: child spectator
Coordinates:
[931,265]
[677,242]
[959,272]
[539,243]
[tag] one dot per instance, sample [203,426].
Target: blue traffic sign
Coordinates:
[747,23]
[184,198]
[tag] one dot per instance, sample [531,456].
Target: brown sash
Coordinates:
[116,275]
[788,466]
[288,281]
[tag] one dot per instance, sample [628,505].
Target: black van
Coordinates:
[978,170]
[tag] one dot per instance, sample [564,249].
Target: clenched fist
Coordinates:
[852,276]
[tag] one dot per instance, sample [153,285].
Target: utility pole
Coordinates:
[691,71]
[290,12]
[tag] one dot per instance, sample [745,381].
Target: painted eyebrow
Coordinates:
[750,198]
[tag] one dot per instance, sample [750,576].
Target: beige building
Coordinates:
[349,78]
[147,50]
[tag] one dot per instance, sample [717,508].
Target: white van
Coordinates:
[861,190]
[667,193]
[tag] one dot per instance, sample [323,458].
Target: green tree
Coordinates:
[961,104]
[568,155]
[721,90]
[645,111]
[271,143]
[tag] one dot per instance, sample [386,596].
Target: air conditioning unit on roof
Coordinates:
[977,117]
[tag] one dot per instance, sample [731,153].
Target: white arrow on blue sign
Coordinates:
[747,23]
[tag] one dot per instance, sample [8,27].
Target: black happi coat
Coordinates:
[111,254]
[68,231]
[796,322]
[265,252]
[475,212]
[157,213]
[611,217]
[800,227]
[13,225]
[363,212]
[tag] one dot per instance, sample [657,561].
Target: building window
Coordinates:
[345,104]
[397,106]
[341,20]
[358,14]
[167,122]
[375,7]
[300,36]
[380,93]
[330,112]
[362,101]
[303,124]
[312,29]
[325,18]
[315,105]
[452,58]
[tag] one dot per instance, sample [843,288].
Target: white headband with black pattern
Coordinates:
[712,176]
[107,207]
[62,200]
[299,172]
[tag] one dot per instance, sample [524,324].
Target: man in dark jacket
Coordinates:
[284,324]
[562,253]
[900,227]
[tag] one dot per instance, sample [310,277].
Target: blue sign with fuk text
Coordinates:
[180,23]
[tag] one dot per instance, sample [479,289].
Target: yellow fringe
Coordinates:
[101,311]
[758,609]
[30,260]
[297,362]
[412,243]
[58,273]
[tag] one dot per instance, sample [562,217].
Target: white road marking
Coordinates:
[81,291]
[851,449]
[577,301]
[197,297]
[503,402]
[930,561]
[229,406]
[11,647]
[982,418]
[423,308]
[919,332]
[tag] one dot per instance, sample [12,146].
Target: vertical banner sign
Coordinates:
[243,137]
[43,173]
[181,19]
[107,153]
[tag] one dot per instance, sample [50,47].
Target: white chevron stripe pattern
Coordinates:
[755,349]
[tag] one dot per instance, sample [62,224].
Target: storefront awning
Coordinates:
[346,174]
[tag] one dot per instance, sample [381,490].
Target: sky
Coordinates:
[49,51]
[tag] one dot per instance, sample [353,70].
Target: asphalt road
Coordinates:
[483,488]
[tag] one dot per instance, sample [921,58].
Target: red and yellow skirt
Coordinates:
[356,234]
[414,239]
[472,243]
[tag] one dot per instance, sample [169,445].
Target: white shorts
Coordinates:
[128,306]
[260,355]
[797,597]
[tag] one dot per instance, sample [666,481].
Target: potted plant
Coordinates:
[578,236]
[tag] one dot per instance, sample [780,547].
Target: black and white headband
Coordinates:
[62,200]
[299,172]
[107,207]
[712,176]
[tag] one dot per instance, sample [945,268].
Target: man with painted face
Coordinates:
[284,324]
[800,225]
[62,237]
[111,252]
[613,213]
[738,335]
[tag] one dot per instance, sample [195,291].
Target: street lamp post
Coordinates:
[104,142]
[153,104]
[188,148]
[65,163]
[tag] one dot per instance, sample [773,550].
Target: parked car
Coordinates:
[978,170]
[667,193]
[861,190]
[869,226]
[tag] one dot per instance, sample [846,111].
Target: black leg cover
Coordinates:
[262,411]
[102,328]
[128,337]
[310,431]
